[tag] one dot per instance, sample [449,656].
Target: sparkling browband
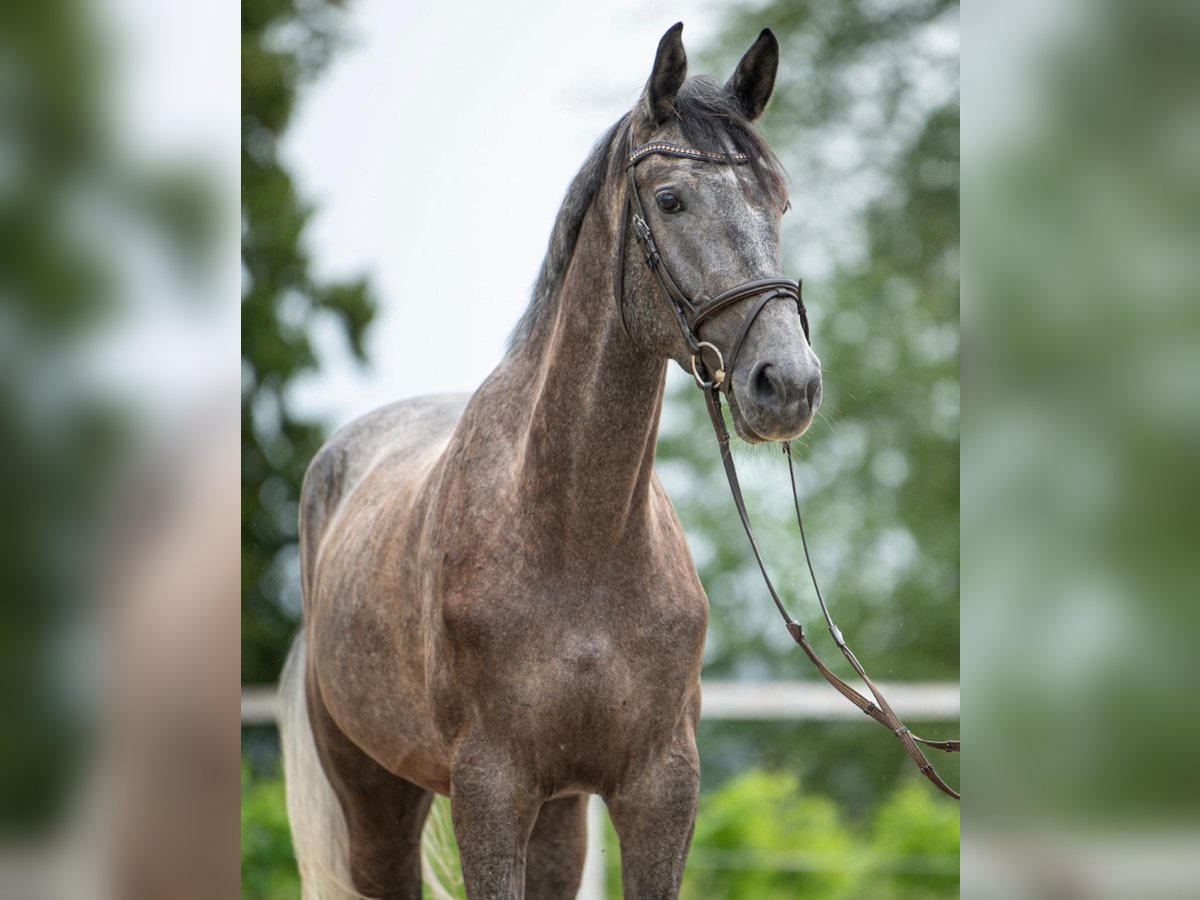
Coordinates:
[666,149]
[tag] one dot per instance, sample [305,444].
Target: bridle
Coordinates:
[690,316]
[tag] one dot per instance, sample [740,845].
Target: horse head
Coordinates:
[707,199]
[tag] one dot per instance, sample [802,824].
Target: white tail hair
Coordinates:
[319,834]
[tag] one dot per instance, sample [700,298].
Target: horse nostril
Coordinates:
[768,389]
[812,391]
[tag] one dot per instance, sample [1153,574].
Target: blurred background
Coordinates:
[385,144]
[1080,488]
[118,449]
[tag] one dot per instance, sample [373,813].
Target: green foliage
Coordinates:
[915,838]
[747,837]
[761,837]
[268,863]
[284,43]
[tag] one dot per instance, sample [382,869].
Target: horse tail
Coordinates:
[319,834]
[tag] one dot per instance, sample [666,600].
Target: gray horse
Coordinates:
[499,601]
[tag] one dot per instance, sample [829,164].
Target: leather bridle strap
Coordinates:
[679,300]
[879,709]
[777,287]
[689,317]
[747,321]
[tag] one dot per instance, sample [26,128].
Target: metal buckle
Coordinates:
[718,376]
[644,235]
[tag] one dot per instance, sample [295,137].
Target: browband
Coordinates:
[668,149]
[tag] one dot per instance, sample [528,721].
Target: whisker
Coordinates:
[828,421]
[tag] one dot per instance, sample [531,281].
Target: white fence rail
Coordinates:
[763,701]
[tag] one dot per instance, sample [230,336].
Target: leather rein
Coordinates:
[690,316]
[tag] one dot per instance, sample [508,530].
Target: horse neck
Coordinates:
[593,403]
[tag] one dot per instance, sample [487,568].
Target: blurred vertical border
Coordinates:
[119,733]
[1081,229]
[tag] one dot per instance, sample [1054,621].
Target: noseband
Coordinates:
[690,316]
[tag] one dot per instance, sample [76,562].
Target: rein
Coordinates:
[690,315]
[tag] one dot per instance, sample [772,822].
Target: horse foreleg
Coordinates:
[557,848]
[494,809]
[654,818]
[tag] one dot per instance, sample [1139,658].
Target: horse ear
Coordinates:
[670,70]
[754,79]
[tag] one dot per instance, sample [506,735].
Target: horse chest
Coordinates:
[578,661]
[584,622]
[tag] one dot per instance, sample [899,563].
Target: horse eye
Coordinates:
[669,202]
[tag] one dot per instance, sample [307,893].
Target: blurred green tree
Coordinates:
[72,192]
[285,43]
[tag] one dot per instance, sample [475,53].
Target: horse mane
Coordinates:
[709,119]
[584,187]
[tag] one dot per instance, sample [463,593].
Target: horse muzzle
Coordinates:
[775,397]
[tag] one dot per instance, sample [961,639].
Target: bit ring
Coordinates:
[718,376]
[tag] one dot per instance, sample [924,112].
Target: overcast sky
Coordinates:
[437,148]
